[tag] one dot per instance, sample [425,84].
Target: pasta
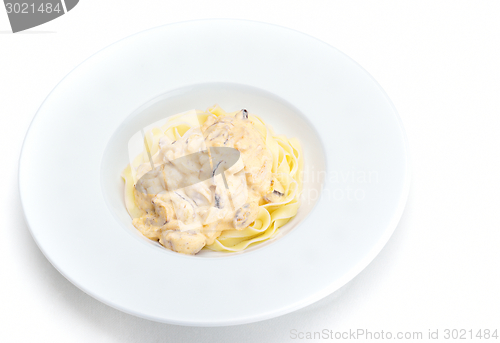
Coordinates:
[213,180]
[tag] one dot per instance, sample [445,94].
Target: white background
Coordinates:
[439,62]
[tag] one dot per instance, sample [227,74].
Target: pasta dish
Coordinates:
[214,180]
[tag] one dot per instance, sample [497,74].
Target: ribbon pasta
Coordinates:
[287,165]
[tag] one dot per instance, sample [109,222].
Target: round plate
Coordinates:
[358,143]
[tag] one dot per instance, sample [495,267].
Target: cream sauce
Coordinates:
[186,211]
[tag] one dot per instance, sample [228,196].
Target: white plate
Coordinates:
[355,152]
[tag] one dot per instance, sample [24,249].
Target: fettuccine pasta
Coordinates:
[213,180]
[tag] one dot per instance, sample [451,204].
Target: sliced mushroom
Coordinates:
[242,115]
[245,216]
[277,192]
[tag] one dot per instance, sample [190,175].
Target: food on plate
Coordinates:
[214,180]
